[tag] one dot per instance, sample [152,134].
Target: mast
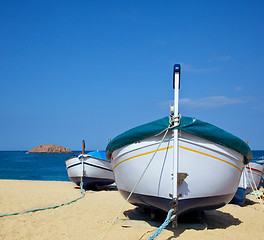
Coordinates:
[176,122]
[83,147]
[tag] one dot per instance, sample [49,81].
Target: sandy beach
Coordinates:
[89,217]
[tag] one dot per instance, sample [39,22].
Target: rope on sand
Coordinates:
[163,225]
[41,209]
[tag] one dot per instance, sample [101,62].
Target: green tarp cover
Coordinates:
[187,124]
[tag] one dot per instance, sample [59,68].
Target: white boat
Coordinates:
[197,166]
[93,169]
[249,182]
[254,172]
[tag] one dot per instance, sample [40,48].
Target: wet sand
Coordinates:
[89,217]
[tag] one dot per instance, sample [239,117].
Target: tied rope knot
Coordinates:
[174,121]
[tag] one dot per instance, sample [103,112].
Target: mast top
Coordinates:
[176,70]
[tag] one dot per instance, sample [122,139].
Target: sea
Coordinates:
[20,165]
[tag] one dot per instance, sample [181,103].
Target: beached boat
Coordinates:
[93,169]
[249,181]
[179,161]
[255,172]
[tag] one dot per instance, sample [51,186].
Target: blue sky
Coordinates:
[74,70]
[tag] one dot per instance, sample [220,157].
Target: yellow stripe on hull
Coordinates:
[143,154]
[162,149]
[222,160]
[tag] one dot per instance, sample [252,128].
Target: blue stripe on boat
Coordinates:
[89,164]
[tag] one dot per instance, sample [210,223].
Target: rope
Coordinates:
[41,209]
[146,233]
[250,182]
[168,128]
[163,225]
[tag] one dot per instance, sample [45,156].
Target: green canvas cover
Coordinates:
[187,124]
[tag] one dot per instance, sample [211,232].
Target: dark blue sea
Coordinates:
[21,165]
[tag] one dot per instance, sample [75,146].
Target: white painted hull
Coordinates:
[254,174]
[213,172]
[96,171]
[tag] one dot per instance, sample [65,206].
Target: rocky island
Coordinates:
[50,148]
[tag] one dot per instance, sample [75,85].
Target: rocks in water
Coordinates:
[50,148]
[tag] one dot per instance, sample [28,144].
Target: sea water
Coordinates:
[21,165]
[258,154]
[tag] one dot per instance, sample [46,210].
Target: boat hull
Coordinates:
[254,172]
[250,177]
[97,172]
[213,173]
[239,197]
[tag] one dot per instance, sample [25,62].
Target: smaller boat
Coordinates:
[93,169]
[254,173]
[249,181]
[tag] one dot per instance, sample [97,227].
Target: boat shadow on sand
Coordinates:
[95,188]
[249,202]
[213,219]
